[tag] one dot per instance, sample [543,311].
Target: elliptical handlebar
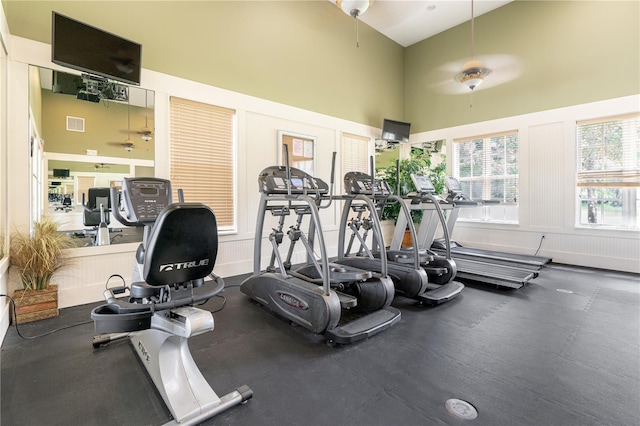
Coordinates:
[332,182]
[287,168]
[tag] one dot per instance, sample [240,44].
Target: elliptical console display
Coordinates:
[273,180]
[361,183]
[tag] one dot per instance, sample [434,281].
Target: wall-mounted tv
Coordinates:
[61,173]
[395,131]
[85,48]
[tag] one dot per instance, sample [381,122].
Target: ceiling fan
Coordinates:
[465,76]
[127,144]
[99,166]
[146,133]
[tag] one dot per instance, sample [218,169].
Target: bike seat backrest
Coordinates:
[182,245]
[96,197]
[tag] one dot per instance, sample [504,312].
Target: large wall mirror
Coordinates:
[80,140]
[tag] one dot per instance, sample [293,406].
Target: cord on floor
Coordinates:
[539,245]
[12,308]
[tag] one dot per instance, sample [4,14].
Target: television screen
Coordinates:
[67,84]
[61,173]
[395,131]
[85,48]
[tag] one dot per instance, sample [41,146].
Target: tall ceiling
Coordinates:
[410,21]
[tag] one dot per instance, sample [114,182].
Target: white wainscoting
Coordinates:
[617,253]
[547,198]
[546,165]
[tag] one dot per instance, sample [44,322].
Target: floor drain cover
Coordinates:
[461,409]
[562,290]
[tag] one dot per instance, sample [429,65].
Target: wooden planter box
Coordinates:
[34,305]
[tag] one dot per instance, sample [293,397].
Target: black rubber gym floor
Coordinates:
[564,350]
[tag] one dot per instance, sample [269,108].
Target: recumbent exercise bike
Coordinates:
[172,272]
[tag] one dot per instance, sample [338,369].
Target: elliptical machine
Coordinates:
[407,267]
[172,272]
[318,293]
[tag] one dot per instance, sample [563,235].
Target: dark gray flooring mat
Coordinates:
[564,350]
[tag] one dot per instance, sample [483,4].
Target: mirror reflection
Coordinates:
[84,138]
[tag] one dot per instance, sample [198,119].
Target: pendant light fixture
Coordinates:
[354,8]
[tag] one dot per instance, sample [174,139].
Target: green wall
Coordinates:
[573,52]
[106,127]
[303,53]
[300,53]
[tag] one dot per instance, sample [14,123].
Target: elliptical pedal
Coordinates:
[347,301]
[363,327]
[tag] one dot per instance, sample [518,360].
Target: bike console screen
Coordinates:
[145,198]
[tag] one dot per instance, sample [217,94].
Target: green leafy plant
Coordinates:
[39,255]
[419,162]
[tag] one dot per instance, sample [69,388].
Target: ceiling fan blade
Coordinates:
[124,144]
[503,68]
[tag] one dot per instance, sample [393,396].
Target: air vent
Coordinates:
[75,124]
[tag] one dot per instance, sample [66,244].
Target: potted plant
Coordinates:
[37,257]
[419,162]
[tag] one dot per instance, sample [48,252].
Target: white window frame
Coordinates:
[609,184]
[507,210]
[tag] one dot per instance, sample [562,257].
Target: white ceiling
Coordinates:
[410,21]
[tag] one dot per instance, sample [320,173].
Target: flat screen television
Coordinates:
[61,173]
[395,131]
[85,48]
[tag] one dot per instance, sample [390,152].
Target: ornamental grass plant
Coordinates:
[39,255]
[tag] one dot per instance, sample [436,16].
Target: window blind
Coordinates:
[608,152]
[202,139]
[355,154]
[487,165]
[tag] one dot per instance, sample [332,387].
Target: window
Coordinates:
[202,140]
[355,154]
[608,172]
[487,168]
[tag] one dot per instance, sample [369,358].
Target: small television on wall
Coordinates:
[61,173]
[85,48]
[395,131]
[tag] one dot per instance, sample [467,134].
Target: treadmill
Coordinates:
[477,270]
[472,254]
[415,274]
